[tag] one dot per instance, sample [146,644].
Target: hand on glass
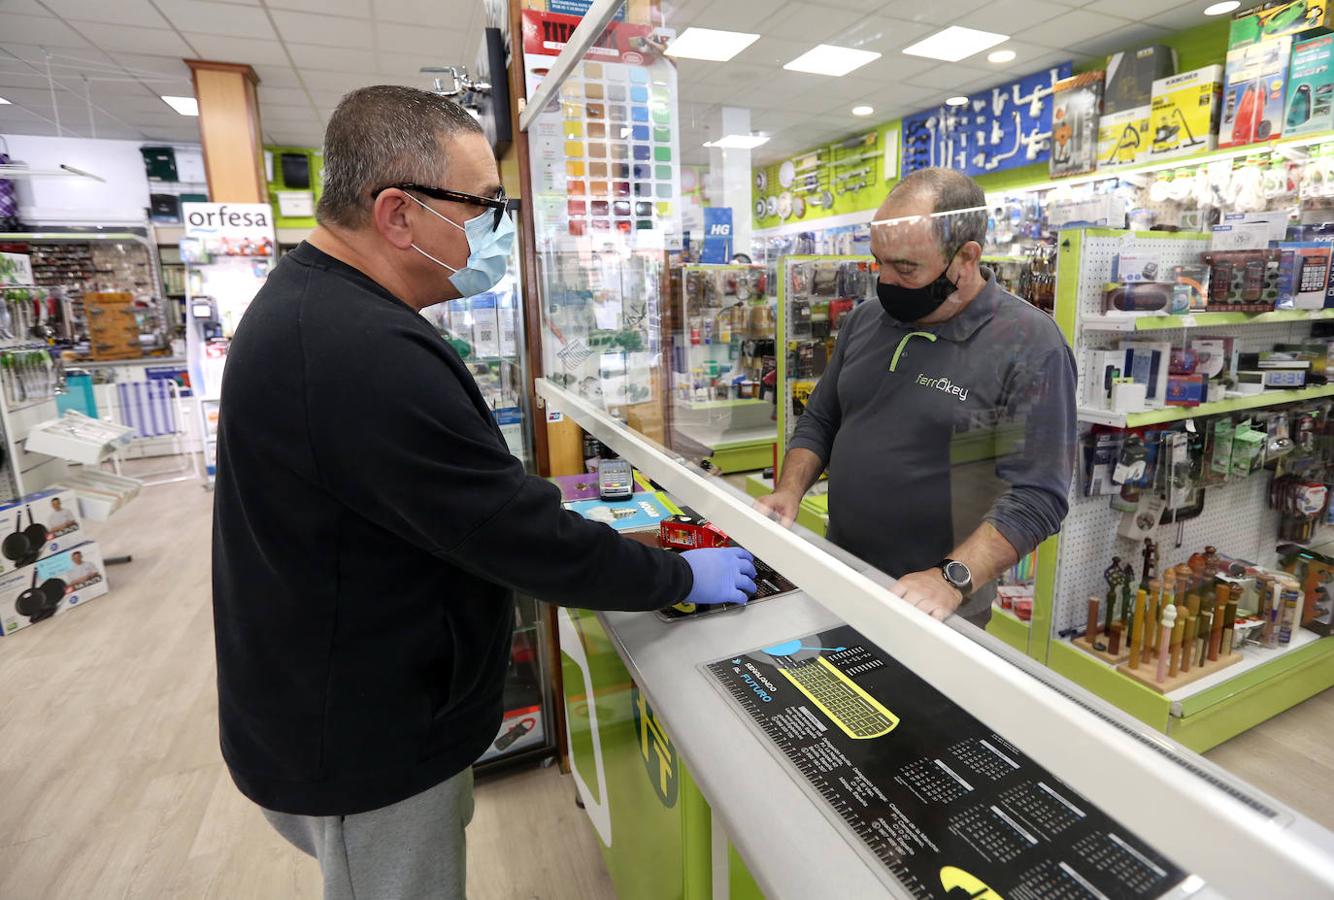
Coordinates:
[779,506]
[930,592]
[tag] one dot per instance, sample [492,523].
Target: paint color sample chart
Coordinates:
[606,154]
[949,808]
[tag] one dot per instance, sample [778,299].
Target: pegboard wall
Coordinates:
[1236,518]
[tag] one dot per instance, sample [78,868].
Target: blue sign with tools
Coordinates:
[998,129]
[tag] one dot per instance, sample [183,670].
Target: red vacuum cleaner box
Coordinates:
[1254,88]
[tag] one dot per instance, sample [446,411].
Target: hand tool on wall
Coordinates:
[1165,642]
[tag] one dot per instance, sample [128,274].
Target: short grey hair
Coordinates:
[949,190]
[381,135]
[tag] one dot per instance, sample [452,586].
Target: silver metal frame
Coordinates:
[1239,840]
[589,30]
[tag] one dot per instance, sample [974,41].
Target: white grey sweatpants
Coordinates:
[412,850]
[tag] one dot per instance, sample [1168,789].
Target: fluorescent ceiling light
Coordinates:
[1219,9]
[3,102]
[186,106]
[738,142]
[862,110]
[710,43]
[1000,56]
[957,101]
[827,59]
[955,43]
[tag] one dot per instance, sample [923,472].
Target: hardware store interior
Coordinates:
[865,448]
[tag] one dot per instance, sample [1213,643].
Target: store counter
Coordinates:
[675,779]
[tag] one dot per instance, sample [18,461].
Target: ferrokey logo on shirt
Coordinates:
[943,384]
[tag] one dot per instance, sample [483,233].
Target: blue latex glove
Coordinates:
[722,575]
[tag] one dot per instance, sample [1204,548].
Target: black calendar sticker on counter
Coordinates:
[951,809]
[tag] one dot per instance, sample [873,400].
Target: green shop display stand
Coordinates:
[652,824]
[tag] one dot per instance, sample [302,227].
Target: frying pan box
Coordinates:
[56,510]
[69,578]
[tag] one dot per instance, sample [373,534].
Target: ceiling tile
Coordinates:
[950,77]
[1138,35]
[751,17]
[122,12]
[332,7]
[282,75]
[273,95]
[1073,28]
[26,8]
[152,65]
[288,115]
[217,18]
[1184,15]
[320,30]
[958,12]
[327,59]
[893,68]
[883,34]
[810,23]
[767,51]
[707,92]
[1137,10]
[221,48]
[153,41]
[444,44]
[42,30]
[1022,17]
[413,12]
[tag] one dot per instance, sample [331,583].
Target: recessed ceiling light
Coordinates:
[862,110]
[3,102]
[955,43]
[957,101]
[1000,56]
[1219,9]
[738,142]
[826,59]
[186,106]
[710,44]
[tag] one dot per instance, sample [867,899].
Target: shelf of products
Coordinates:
[1218,407]
[1125,322]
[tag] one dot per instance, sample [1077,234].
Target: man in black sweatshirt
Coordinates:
[370,525]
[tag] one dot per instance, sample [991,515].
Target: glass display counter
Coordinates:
[723,364]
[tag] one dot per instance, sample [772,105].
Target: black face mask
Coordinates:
[915,304]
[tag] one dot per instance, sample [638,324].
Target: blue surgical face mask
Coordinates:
[488,251]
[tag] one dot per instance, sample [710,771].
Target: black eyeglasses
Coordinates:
[500,203]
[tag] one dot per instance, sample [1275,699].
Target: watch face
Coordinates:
[958,573]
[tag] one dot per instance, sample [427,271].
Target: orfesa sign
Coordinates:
[232,220]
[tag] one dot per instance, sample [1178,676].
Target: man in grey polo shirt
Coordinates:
[946,416]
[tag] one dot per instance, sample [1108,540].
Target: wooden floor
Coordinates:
[111,784]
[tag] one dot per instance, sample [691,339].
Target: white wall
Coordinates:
[123,199]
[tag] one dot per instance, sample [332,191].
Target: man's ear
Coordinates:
[389,216]
[971,252]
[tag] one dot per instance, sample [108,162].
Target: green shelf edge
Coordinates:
[1235,404]
[726,404]
[1243,709]
[742,456]
[1149,706]
[1280,665]
[1217,319]
[1009,628]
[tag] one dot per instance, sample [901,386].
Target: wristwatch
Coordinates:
[957,574]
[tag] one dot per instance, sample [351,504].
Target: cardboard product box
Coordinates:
[37,526]
[1147,363]
[34,593]
[1124,137]
[1303,274]
[1243,280]
[1254,90]
[1076,107]
[1185,109]
[1310,101]
[1128,83]
[1215,357]
[1275,20]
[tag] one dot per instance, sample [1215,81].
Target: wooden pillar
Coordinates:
[230,132]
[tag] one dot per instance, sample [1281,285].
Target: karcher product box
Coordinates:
[1253,92]
[1310,102]
[1275,20]
[39,591]
[1185,109]
[1128,83]
[1124,137]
